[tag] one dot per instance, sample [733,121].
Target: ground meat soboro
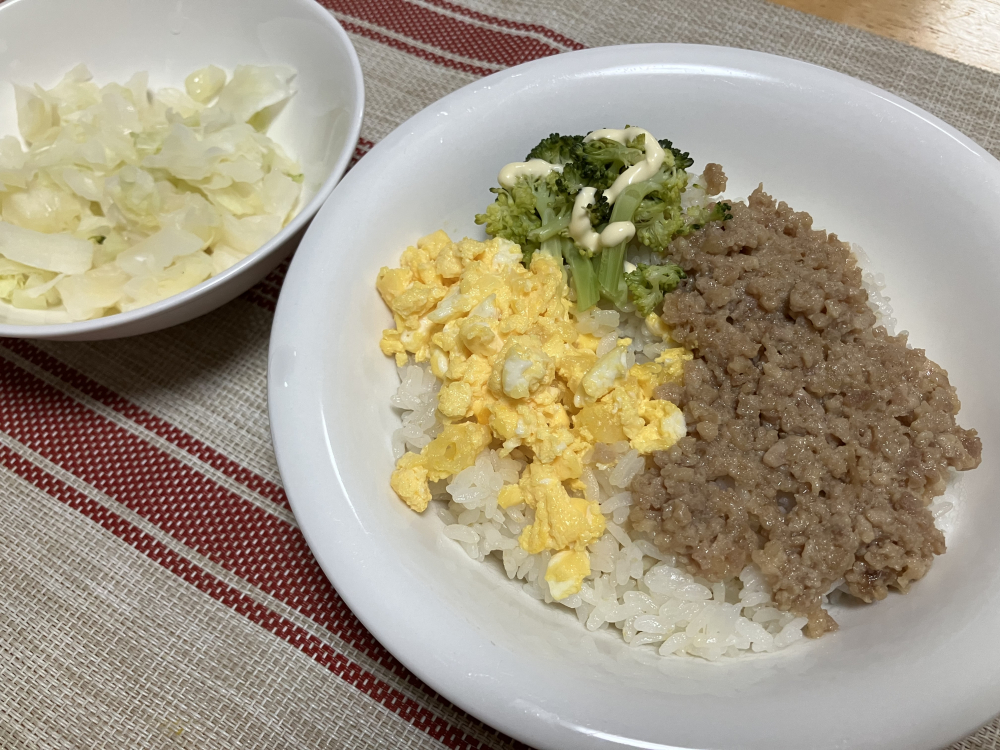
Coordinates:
[816,440]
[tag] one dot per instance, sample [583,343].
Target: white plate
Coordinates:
[912,672]
[43,39]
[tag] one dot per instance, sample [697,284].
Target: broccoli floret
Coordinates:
[534,210]
[682,159]
[598,163]
[648,284]
[553,206]
[512,215]
[697,217]
[575,177]
[570,181]
[654,207]
[721,211]
[556,149]
[599,210]
[612,157]
[658,233]
[659,217]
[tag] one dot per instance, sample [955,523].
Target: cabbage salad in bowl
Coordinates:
[682,418]
[116,197]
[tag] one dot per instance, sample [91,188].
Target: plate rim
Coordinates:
[509,722]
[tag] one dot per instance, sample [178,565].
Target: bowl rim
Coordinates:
[257,257]
[291,436]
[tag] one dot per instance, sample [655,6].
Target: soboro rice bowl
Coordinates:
[683,418]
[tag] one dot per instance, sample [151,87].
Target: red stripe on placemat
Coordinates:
[268,289]
[350,672]
[415,51]
[200,513]
[160,427]
[444,32]
[363,147]
[508,24]
[249,542]
[251,295]
[277,276]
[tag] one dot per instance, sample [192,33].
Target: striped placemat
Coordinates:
[155,591]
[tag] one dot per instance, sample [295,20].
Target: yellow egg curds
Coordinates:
[517,375]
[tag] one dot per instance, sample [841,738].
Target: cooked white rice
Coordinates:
[874,284]
[634,588]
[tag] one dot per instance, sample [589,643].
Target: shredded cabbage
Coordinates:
[118,198]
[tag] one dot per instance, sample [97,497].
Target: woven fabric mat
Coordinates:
[154,589]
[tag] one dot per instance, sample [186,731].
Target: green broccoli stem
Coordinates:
[550,228]
[629,200]
[552,246]
[611,275]
[584,278]
[552,223]
[611,272]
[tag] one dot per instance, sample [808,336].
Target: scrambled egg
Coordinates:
[517,374]
[453,450]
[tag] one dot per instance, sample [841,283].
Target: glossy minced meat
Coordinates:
[815,439]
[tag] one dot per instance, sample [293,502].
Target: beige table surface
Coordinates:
[964,30]
[155,589]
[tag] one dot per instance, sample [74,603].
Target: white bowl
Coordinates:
[911,672]
[43,39]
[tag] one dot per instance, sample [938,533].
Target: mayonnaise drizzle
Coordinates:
[580,229]
[617,232]
[583,233]
[531,168]
[638,172]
